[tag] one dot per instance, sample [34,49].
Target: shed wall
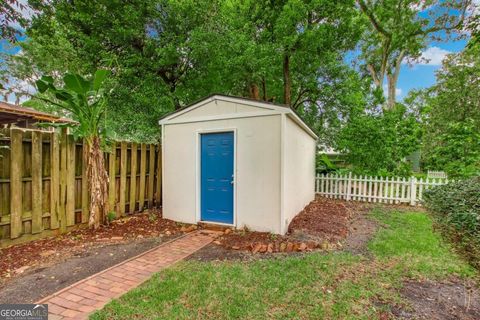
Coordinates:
[257,177]
[299,170]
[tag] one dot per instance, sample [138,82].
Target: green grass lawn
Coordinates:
[333,286]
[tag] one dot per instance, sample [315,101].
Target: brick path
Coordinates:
[82,298]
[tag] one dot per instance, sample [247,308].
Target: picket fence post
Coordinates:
[349,185]
[413,190]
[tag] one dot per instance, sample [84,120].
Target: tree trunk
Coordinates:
[391,99]
[254,92]
[97,184]
[264,89]
[287,85]
[392,79]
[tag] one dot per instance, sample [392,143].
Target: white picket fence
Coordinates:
[392,190]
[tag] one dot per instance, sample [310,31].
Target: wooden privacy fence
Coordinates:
[43,187]
[375,189]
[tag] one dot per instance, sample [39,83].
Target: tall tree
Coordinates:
[451,115]
[400,29]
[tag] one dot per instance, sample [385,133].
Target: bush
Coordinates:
[456,209]
[377,144]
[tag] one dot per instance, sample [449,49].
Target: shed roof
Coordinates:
[278,108]
[10,113]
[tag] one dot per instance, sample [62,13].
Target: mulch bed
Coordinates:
[323,224]
[16,259]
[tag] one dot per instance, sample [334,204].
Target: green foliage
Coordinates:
[409,237]
[112,215]
[451,116]
[456,207]
[457,150]
[377,144]
[165,54]
[84,99]
[324,165]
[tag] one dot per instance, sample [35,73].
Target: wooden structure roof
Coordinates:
[10,113]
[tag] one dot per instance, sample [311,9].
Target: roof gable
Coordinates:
[217,107]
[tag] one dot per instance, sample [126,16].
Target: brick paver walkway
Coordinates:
[82,298]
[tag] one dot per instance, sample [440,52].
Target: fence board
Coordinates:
[112,178]
[143,169]
[85,197]
[54,180]
[37,224]
[70,173]
[133,179]
[16,160]
[151,174]
[123,177]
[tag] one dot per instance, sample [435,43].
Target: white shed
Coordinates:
[237,162]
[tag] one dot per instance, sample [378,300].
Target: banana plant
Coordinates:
[85,99]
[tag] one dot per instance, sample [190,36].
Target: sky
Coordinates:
[422,75]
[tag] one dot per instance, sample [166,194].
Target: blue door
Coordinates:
[217,177]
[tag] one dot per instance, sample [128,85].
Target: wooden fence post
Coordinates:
[37,220]
[133,179]
[143,169]
[151,174]
[413,191]
[16,168]
[70,205]
[123,177]
[112,179]
[54,180]
[63,180]
[85,195]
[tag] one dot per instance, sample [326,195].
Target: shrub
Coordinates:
[456,209]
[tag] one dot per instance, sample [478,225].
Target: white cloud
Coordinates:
[433,56]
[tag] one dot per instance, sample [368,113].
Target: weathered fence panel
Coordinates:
[43,187]
[392,190]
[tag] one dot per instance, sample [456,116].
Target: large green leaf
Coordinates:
[76,83]
[99,78]
[63,95]
[42,85]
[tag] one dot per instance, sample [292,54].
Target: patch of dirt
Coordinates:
[43,281]
[17,260]
[322,225]
[361,230]
[323,218]
[440,301]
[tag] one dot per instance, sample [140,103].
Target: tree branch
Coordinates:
[373,20]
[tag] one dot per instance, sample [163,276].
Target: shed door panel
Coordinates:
[217,177]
